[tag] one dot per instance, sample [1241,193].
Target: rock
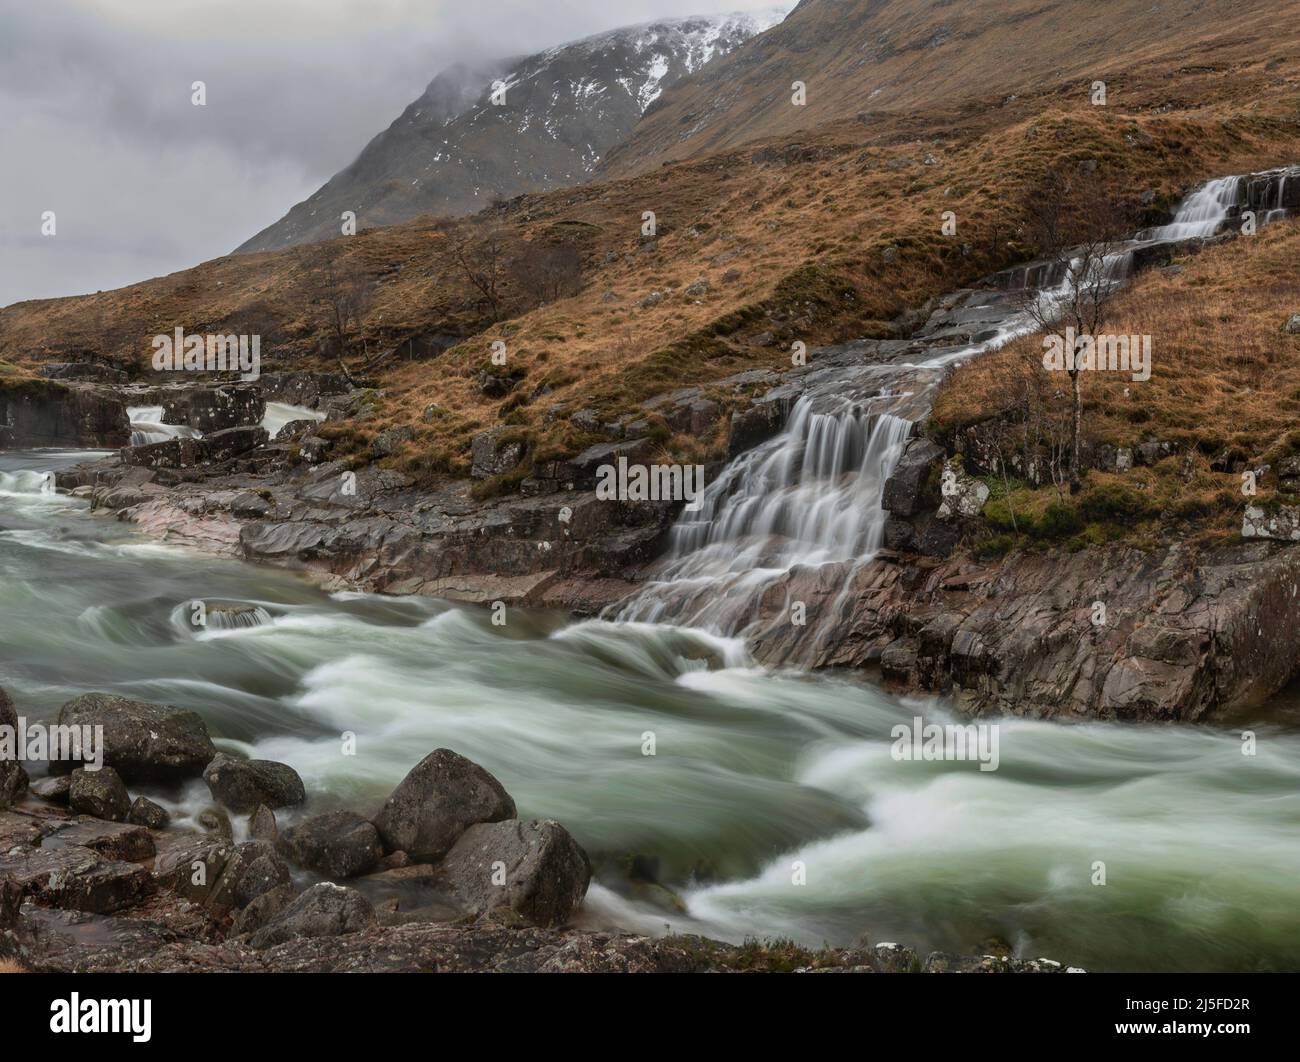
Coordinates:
[218,875]
[390,440]
[260,910]
[241,785]
[143,742]
[112,840]
[75,878]
[755,425]
[1282,524]
[188,453]
[211,409]
[698,288]
[442,796]
[1292,325]
[8,713]
[13,783]
[99,793]
[907,489]
[215,820]
[963,495]
[294,429]
[653,299]
[493,454]
[534,869]
[340,844]
[491,385]
[261,824]
[47,413]
[53,788]
[324,910]
[250,506]
[584,468]
[144,812]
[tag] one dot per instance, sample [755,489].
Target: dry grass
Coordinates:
[1225,382]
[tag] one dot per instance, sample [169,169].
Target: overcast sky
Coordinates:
[96,122]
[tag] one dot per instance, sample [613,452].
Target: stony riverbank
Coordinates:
[443,877]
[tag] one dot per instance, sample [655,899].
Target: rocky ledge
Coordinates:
[444,877]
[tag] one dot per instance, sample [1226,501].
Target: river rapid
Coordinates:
[772,806]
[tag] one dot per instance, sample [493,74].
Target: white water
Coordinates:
[147,426]
[1202,212]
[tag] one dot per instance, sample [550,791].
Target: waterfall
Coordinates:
[26,483]
[147,426]
[236,617]
[1202,212]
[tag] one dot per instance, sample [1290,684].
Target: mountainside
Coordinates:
[861,57]
[454,150]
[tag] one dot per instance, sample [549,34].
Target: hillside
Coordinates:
[453,151]
[858,59]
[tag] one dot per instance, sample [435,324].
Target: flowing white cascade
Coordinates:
[230,619]
[1202,212]
[278,414]
[147,426]
[26,482]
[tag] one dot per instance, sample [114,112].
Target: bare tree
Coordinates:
[483,264]
[546,272]
[1076,224]
[341,293]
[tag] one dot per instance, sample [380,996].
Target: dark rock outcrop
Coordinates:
[440,798]
[99,793]
[244,785]
[535,869]
[340,844]
[36,413]
[143,742]
[210,409]
[324,910]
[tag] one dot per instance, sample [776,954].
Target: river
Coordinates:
[758,778]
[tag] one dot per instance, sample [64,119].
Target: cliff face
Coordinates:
[37,413]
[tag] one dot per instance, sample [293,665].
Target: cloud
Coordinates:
[98,125]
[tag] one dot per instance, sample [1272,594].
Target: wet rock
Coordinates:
[250,506]
[908,490]
[113,840]
[53,788]
[260,910]
[294,429]
[442,796]
[535,869]
[75,878]
[241,785]
[324,910]
[215,820]
[340,844]
[50,413]
[99,793]
[261,824]
[144,812]
[143,742]
[218,875]
[211,409]
[13,783]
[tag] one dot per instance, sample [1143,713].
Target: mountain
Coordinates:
[453,150]
[863,57]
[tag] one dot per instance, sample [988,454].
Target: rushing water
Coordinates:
[754,771]
[772,805]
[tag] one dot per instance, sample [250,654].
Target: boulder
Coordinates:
[13,783]
[112,840]
[1281,524]
[75,878]
[144,812]
[324,910]
[262,909]
[491,456]
[390,440]
[261,824]
[143,742]
[99,793]
[340,844]
[535,869]
[53,788]
[1292,325]
[242,785]
[219,875]
[963,495]
[211,409]
[907,489]
[442,796]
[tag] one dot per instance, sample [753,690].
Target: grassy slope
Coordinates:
[1225,385]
